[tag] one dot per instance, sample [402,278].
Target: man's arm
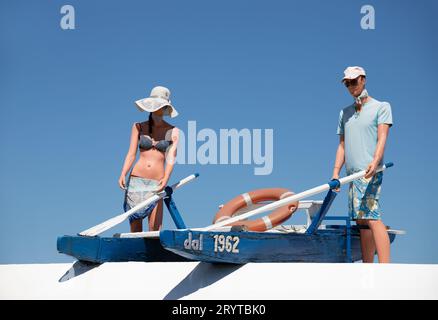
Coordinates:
[340,158]
[382,135]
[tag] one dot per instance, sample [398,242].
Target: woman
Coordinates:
[157,141]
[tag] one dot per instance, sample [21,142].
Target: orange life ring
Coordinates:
[247,199]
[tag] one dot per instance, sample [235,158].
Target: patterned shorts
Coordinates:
[138,190]
[363,198]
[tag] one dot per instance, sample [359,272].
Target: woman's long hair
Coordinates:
[151,124]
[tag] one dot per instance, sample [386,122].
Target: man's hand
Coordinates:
[371,170]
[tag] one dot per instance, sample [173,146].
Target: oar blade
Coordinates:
[108,224]
[102,227]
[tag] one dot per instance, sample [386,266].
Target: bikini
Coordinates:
[146,143]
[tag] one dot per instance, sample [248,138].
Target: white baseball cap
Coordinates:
[159,98]
[353,72]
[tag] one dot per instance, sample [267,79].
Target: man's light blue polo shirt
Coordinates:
[360,132]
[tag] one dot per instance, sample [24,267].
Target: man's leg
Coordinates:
[381,240]
[367,244]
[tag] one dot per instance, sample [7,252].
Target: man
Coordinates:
[363,129]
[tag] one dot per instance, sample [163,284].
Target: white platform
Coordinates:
[192,280]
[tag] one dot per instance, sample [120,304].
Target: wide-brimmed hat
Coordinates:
[353,73]
[159,98]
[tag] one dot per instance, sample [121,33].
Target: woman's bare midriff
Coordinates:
[150,165]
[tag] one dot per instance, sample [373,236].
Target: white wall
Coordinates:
[192,280]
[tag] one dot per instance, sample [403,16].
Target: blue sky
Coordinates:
[66,106]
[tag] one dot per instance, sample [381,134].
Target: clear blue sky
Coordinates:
[66,105]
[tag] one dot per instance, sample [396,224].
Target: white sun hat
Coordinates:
[159,98]
[353,73]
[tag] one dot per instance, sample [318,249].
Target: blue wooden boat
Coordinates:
[328,245]
[311,243]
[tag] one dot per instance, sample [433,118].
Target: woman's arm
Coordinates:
[170,158]
[130,156]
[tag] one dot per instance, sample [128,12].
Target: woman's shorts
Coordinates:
[139,189]
[363,198]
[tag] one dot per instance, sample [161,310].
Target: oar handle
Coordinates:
[389,164]
[336,183]
[362,173]
[185,180]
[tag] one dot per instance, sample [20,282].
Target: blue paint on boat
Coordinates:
[112,249]
[334,183]
[173,210]
[328,200]
[328,245]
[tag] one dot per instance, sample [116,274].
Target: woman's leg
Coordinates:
[136,225]
[381,240]
[156,217]
[367,245]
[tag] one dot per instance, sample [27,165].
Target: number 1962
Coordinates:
[227,243]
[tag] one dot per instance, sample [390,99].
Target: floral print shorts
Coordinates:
[363,198]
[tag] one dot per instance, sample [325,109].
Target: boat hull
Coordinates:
[109,249]
[244,247]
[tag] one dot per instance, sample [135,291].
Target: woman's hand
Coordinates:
[162,184]
[122,182]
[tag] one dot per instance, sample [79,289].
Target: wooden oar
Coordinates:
[108,224]
[296,197]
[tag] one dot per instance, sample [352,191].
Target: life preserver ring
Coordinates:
[250,198]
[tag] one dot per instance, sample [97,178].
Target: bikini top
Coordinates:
[146,143]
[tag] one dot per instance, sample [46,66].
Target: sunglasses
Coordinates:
[353,82]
